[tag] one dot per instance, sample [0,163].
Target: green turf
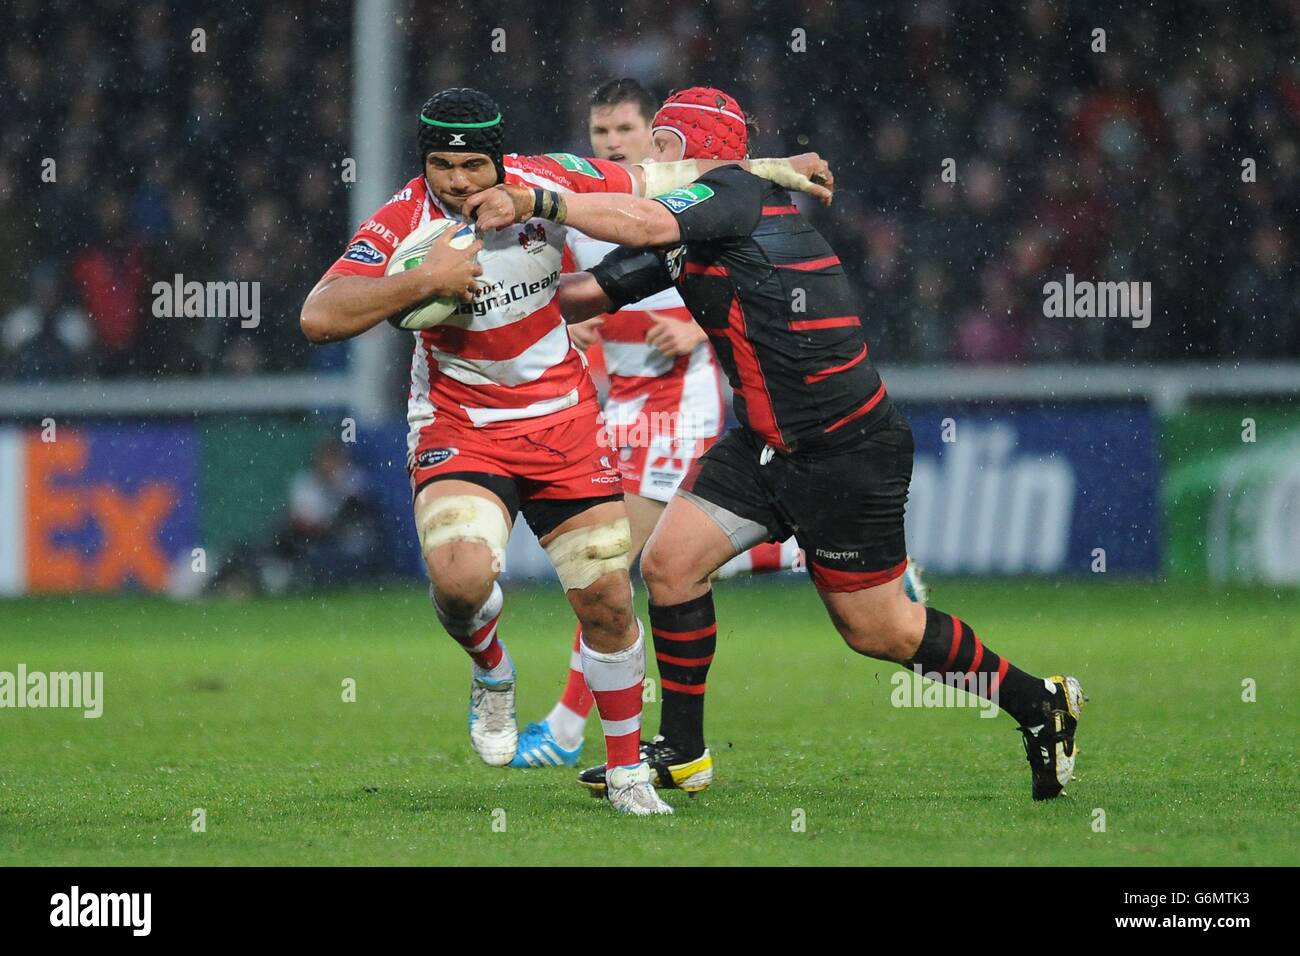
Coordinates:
[237,709]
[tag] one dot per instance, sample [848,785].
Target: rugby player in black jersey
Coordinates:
[821,452]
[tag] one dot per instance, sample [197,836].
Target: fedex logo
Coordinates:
[96,509]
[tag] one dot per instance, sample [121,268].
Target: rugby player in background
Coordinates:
[821,450]
[503,418]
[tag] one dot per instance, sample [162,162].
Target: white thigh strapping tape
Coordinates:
[462,518]
[585,554]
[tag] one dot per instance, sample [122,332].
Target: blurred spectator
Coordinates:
[46,338]
[110,274]
[330,536]
[1261,300]
[318,495]
[992,333]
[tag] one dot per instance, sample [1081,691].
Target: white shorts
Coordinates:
[654,470]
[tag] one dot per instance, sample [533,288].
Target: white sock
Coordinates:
[463,629]
[567,727]
[616,683]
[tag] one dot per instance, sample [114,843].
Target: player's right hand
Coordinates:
[586,334]
[450,271]
[821,180]
[500,206]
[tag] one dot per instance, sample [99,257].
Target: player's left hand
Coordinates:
[672,336]
[819,172]
[500,206]
[585,334]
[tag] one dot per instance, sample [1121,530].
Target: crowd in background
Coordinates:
[217,165]
[1123,164]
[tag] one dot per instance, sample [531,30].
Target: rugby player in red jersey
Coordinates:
[821,450]
[503,418]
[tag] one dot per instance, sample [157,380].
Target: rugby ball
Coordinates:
[409,253]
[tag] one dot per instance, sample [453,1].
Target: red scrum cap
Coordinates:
[709,123]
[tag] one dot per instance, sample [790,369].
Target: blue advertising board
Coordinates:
[1034,489]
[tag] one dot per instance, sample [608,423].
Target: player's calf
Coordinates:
[685,639]
[881,622]
[950,650]
[604,611]
[687,546]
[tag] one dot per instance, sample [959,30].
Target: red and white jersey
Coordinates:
[504,363]
[679,396]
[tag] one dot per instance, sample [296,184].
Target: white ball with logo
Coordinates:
[409,253]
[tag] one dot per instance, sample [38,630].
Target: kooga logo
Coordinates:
[103,909]
[982,508]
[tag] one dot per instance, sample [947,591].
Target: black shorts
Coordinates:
[543,515]
[844,505]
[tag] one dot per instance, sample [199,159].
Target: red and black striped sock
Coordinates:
[950,648]
[685,636]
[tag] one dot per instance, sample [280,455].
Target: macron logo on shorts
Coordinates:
[836,555]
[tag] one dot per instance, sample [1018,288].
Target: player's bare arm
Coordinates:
[342,306]
[630,220]
[805,172]
[580,297]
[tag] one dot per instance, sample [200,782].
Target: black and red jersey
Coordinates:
[773,297]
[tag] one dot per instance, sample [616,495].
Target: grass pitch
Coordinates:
[238,709]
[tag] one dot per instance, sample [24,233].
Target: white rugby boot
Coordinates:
[632,791]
